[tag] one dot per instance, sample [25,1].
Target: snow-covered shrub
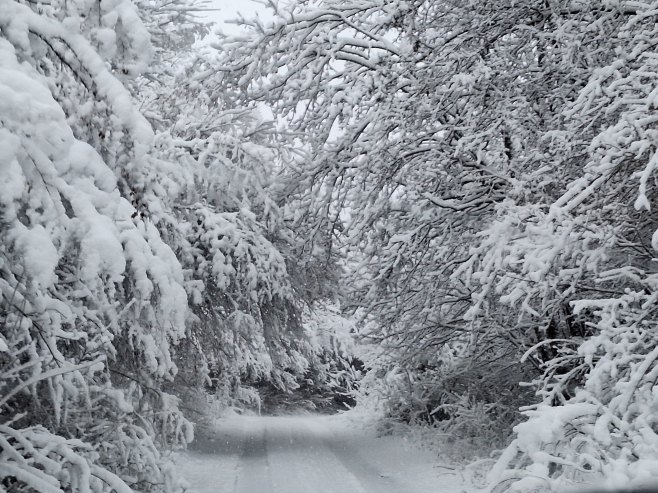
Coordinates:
[606,432]
[332,378]
[227,234]
[461,407]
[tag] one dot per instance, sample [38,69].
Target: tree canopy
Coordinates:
[488,168]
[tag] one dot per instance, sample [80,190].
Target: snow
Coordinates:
[39,254]
[20,20]
[309,453]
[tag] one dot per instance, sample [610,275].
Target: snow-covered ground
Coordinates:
[309,454]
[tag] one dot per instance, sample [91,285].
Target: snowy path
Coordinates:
[308,455]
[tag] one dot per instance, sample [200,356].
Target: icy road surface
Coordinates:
[308,454]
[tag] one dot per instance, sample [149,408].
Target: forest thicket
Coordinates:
[471,183]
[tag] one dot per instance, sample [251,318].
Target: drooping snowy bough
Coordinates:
[92,298]
[145,250]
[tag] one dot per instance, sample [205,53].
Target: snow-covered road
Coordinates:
[308,454]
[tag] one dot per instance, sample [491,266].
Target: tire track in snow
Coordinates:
[371,478]
[254,473]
